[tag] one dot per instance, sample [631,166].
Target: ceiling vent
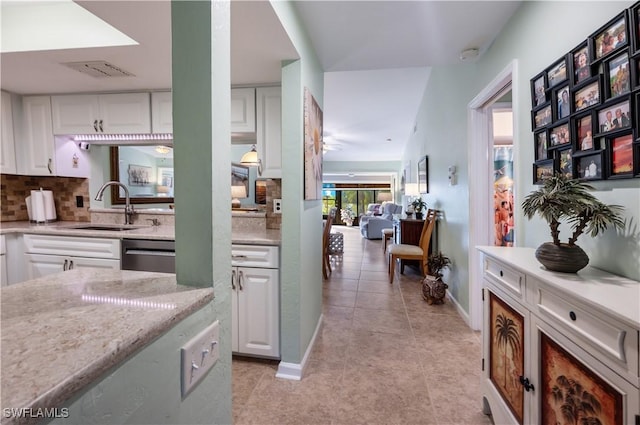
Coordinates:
[99,69]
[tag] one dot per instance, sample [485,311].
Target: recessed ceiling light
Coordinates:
[388,139]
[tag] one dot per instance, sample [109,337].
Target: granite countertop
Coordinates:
[162,232]
[62,332]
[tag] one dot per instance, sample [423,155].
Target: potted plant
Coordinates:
[433,288]
[347,215]
[561,198]
[418,207]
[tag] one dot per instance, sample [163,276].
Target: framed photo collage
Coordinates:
[586,106]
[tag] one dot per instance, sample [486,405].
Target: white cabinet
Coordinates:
[161,112]
[548,334]
[243,110]
[46,254]
[7,149]
[255,301]
[4,276]
[269,132]
[101,114]
[35,150]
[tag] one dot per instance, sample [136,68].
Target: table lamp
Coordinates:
[237,192]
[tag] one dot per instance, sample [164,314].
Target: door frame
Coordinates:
[480,164]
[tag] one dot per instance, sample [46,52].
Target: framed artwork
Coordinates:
[587,95]
[312,147]
[423,175]
[621,155]
[542,170]
[589,167]
[636,159]
[538,90]
[557,73]
[542,141]
[635,72]
[580,68]
[506,353]
[560,136]
[240,176]
[165,177]
[571,393]
[635,27]
[615,116]
[583,132]
[564,160]
[139,175]
[261,192]
[637,114]
[618,76]
[562,102]
[611,37]
[541,117]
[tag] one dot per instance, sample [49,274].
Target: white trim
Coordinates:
[461,311]
[294,371]
[480,189]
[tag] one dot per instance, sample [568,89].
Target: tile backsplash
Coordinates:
[274,191]
[14,189]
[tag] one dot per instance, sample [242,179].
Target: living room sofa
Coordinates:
[371,226]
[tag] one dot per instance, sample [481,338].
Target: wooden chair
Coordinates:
[326,260]
[413,252]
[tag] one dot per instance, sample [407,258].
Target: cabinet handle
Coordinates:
[233,280]
[100,125]
[49,166]
[64,266]
[95,125]
[526,384]
[238,257]
[70,264]
[572,315]
[501,273]
[240,278]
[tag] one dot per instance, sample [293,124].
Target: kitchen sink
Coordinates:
[107,227]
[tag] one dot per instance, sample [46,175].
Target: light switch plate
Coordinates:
[277,206]
[198,356]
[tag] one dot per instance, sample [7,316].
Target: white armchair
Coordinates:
[371,226]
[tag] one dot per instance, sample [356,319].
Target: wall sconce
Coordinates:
[251,159]
[237,192]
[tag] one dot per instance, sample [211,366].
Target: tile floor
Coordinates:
[383,356]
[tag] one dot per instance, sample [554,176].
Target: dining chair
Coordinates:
[418,252]
[326,260]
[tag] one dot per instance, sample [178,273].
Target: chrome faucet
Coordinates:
[128,208]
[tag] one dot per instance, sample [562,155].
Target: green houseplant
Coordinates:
[418,207]
[561,198]
[433,288]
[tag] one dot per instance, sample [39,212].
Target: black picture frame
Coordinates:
[635,71]
[541,117]
[562,102]
[564,162]
[587,95]
[583,169]
[620,155]
[617,71]
[622,112]
[539,90]
[583,131]
[580,63]
[557,73]
[423,175]
[636,104]
[636,159]
[613,30]
[560,135]
[541,148]
[634,15]
[543,170]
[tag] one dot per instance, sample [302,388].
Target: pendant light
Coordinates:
[251,159]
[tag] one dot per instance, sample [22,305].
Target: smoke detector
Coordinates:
[98,69]
[468,54]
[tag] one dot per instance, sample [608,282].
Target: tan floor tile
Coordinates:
[395,322]
[386,302]
[380,276]
[377,286]
[342,284]
[338,297]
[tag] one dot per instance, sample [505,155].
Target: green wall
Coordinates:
[534,43]
[301,276]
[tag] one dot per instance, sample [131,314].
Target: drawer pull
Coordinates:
[239,257]
[501,273]
[526,384]
[572,315]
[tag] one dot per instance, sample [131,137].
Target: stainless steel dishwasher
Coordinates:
[148,255]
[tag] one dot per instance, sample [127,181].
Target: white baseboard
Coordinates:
[461,311]
[294,371]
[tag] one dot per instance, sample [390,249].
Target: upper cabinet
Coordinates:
[35,150]
[269,132]
[7,150]
[161,112]
[101,114]
[243,110]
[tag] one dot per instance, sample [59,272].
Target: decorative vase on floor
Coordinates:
[563,258]
[434,290]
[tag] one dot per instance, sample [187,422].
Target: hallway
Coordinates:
[383,356]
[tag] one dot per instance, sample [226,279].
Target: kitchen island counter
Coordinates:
[62,332]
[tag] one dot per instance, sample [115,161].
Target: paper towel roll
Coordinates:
[27,201]
[49,206]
[37,206]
